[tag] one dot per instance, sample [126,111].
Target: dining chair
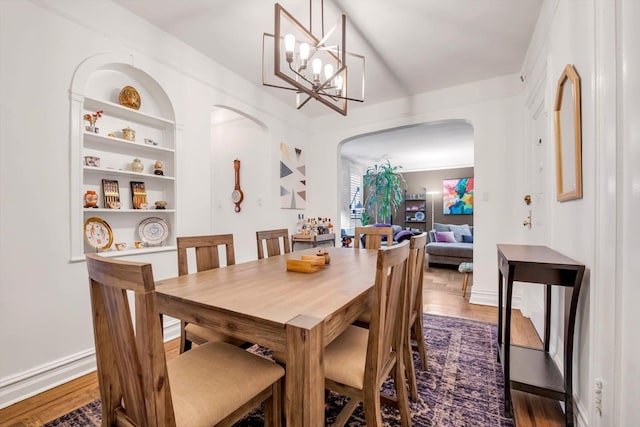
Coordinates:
[415,328]
[373,236]
[207,255]
[272,240]
[359,360]
[213,384]
[372,240]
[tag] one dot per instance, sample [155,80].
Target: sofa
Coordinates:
[450,244]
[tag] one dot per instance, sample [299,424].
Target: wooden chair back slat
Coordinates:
[132,368]
[416,271]
[207,249]
[271,239]
[373,236]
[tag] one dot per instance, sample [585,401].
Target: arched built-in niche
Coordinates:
[96,86]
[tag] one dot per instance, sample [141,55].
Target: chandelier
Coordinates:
[315,67]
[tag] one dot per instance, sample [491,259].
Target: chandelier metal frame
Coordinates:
[291,66]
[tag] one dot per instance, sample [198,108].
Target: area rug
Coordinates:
[463,385]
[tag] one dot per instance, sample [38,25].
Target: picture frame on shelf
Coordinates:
[111,194]
[138,195]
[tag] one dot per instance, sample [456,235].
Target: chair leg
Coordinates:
[273,406]
[411,373]
[464,284]
[347,411]
[185,344]
[401,393]
[372,408]
[418,331]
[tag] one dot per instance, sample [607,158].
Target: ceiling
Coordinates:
[438,145]
[410,46]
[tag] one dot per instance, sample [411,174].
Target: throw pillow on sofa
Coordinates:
[445,237]
[459,231]
[467,238]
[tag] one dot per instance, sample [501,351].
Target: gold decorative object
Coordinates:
[111,192]
[138,195]
[128,134]
[129,97]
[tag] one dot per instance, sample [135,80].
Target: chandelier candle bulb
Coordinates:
[289,46]
[328,71]
[304,55]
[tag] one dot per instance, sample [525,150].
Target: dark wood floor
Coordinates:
[442,295]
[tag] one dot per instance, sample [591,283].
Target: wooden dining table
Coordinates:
[289,312]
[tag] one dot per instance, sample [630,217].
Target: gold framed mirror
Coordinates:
[568,136]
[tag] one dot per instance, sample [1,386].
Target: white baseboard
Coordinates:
[491,298]
[23,385]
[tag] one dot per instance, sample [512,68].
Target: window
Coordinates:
[355,196]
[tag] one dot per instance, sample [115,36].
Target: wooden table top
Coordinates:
[265,290]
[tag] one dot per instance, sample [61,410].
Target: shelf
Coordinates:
[534,371]
[125,113]
[415,221]
[112,253]
[419,210]
[98,141]
[120,172]
[115,211]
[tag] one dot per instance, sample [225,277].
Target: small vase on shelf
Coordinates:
[137,165]
[90,199]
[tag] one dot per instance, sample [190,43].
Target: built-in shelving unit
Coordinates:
[415,211]
[154,140]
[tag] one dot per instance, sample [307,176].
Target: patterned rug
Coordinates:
[462,387]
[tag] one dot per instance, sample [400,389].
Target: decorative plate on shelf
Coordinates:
[129,97]
[153,231]
[98,233]
[420,216]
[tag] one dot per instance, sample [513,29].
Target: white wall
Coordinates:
[492,108]
[600,39]
[627,394]
[45,322]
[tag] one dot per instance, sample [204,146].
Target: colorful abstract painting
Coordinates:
[457,196]
[293,181]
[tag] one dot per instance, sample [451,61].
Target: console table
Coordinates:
[528,369]
[314,240]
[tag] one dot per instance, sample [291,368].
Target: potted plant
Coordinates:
[384,185]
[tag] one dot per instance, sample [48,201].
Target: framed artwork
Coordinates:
[457,196]
[293,181]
